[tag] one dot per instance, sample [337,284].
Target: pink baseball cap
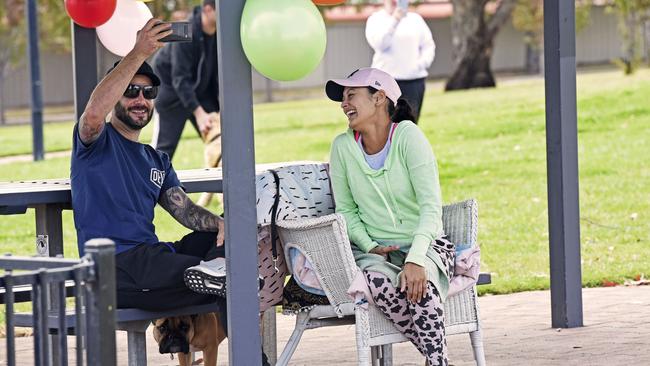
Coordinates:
[366,76]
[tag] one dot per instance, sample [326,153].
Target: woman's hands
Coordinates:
[383,251]
[414,282]
[413,277]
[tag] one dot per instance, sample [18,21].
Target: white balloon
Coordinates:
[119,32]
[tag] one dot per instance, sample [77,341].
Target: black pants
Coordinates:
[413,92]
[150,277]
[171,122]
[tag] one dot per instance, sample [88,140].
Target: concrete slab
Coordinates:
[516,331]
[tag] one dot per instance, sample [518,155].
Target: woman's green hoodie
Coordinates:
[399,204]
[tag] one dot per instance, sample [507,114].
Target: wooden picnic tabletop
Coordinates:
[47,191]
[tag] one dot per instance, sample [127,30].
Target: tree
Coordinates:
[473,30]
[632,15]
[54,35]
[528,17]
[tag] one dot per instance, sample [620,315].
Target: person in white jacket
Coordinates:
[404,48]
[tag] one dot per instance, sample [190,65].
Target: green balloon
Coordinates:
[283,39]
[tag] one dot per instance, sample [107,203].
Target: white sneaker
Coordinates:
[209,277]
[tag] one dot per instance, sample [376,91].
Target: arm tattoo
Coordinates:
[186,212]
[89,132]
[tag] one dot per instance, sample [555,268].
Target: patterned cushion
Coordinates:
[304,192]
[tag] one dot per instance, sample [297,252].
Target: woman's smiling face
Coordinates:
[359,106]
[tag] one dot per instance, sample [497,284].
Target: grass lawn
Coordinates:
[490,145]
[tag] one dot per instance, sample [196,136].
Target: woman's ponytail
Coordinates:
[401,112]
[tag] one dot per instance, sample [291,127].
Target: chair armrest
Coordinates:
[484,279]
[324,242]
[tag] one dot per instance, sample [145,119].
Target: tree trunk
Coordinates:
[630,46]
[473,36]
[473,70]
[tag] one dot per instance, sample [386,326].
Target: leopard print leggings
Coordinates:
[423,323]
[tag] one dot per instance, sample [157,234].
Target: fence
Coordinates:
[47,282]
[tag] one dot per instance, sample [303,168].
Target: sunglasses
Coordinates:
[148,91]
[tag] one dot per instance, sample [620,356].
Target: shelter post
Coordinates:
[562,163]
[236,108]
[33,57]
[84,65]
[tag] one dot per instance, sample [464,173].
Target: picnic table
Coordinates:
[49,197]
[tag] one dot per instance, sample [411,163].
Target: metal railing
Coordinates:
[47,282]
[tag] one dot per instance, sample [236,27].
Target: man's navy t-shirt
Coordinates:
[116,184]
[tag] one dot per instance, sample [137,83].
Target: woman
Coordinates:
[385,182]
[404,48]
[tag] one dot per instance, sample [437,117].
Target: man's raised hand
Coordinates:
[148,38]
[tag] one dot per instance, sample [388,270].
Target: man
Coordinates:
[404,48]
[117,181]
[189,87]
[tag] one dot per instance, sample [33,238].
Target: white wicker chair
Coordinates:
[325,243]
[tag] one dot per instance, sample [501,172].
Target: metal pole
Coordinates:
[35,76]
[9,319]
[562,163]
[236,101]
[101,311]
[84,64]
[268,89]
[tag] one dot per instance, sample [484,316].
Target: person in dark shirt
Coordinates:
[189,86]
[117,182]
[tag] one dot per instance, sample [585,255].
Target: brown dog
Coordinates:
[211,152]
[185,334]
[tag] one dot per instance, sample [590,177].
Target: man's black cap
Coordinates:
[145,69]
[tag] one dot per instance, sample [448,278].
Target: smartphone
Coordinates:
[181,32]
[403,4]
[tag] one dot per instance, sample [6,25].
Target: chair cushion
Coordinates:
[303,272]
[304,192]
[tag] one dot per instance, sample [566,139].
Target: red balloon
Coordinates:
[90,13]
[328,2]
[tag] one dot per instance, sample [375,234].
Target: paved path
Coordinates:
[516,331]
[28,158]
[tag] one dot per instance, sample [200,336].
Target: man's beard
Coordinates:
[123,115]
